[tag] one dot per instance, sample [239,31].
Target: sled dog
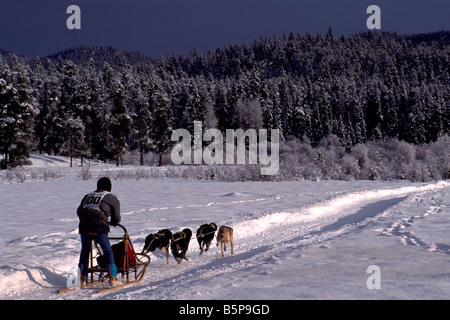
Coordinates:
[159,240]
[225,235]
[205,235]
[180,244]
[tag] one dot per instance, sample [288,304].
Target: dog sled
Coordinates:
[131,265]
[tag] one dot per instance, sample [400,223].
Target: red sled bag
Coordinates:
[119,256]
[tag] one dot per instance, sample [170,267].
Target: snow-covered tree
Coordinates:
[73,111]
[46,125]
[161,129]
[120,120]
[248,115]
[17,110]
[142,118]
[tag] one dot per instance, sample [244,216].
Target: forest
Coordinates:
[365,96]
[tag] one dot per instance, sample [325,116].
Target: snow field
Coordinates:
[293,240]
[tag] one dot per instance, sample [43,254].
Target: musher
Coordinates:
[94,212]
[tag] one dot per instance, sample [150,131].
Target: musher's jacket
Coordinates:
[95,210]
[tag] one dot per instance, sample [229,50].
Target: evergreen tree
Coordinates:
[96,129]
[161,130]
[46,127]
[16,114]
[73,111]
[210,119]
[101,100]
[120,121]
[221,108]
[142,118]
[374,118]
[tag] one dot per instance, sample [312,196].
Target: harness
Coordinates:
[155,236]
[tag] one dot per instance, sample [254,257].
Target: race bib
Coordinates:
[93,200]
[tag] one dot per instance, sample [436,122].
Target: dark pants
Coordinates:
[103,241]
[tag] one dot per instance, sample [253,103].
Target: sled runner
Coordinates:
[131,265]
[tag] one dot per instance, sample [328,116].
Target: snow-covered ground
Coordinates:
[293,240]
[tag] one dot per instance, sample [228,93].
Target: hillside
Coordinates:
[361,88]
[83,55]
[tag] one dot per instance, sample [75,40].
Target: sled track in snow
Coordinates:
[331,216]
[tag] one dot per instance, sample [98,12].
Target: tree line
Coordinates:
[92,102]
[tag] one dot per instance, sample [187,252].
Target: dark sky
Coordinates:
[154,27]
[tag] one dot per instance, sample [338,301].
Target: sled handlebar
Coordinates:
[124,229]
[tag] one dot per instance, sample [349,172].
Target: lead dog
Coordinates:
[180,244]
[205,235]
[159,240]
[225,235]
